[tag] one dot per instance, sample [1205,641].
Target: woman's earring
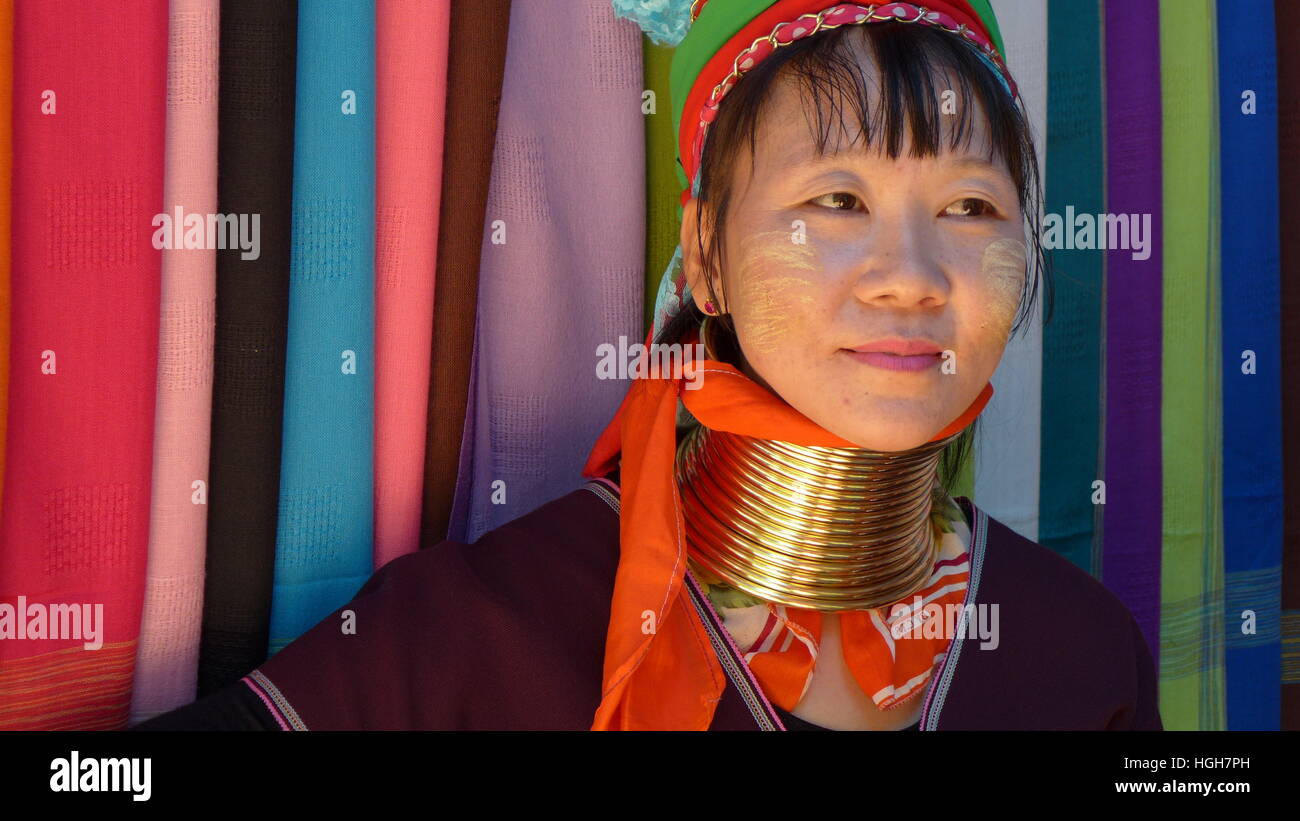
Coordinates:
[709,307]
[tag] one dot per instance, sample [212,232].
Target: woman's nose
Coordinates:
[898,265]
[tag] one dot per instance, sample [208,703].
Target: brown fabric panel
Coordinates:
[476,65]
[1288,169]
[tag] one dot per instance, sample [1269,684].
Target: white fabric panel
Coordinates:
[1007,448]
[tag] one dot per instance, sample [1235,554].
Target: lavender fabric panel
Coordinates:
[562,266]
[1132,515]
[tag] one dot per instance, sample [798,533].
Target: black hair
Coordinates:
[910,59]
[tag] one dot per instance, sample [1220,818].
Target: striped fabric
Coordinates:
[84,353]
[168,656]
[325,539]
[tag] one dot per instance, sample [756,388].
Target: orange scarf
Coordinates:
[660,671]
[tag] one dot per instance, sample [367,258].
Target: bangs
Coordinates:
[918,68]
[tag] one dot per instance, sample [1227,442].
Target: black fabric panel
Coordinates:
[255,157]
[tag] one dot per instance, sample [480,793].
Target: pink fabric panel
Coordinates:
[168,656]
[411,81]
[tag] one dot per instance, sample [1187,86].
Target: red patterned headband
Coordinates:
[783,23]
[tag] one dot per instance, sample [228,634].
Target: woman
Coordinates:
[767,540]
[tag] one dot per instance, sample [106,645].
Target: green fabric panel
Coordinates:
[662,190]
[1191,584]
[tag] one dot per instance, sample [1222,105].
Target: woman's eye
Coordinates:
[837,201]
[970,207]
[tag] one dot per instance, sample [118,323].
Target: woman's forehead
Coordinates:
[789,132]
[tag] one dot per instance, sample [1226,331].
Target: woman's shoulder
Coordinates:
[507,632]
[569,543]
[1078,656]
[1015,566]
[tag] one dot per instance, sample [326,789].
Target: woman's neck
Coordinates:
[810,527]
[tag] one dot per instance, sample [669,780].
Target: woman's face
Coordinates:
[829,259]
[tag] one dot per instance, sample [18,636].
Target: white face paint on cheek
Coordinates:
[777,277]
[1003,269]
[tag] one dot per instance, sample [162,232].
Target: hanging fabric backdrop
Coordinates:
[459,204]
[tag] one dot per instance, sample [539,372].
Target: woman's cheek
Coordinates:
[1002,270]
[776,290]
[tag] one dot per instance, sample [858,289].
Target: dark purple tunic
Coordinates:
[509,633]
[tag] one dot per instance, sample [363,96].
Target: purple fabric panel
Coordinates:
[562,266]
[1131,547]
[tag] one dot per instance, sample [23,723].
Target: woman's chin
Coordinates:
[888,444]
[883,431]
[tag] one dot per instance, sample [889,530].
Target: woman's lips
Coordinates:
[896,353]
[895,362]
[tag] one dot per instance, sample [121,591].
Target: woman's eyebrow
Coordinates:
[955,162]
[812,161]
[971,162]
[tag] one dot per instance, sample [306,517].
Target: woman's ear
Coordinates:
[692,263]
